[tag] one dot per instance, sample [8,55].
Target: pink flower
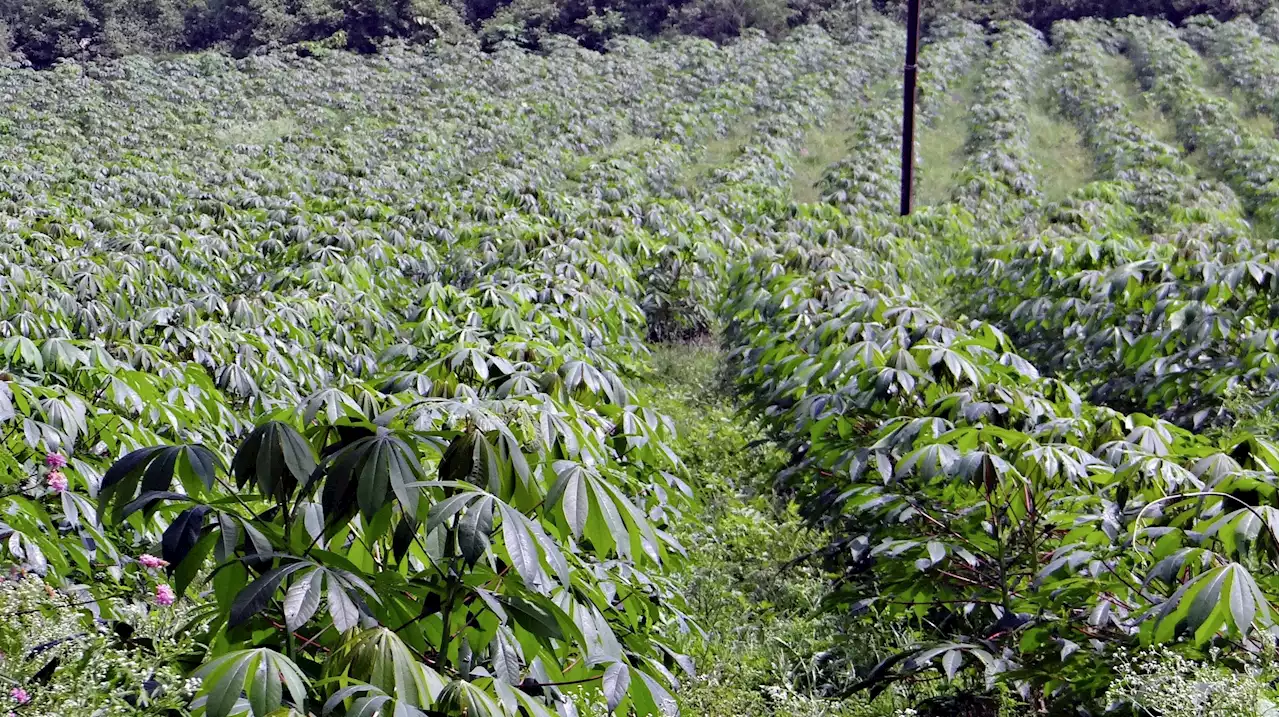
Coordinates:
[165,594]
[20,695]
[55,460]
[56,480]
[151,562]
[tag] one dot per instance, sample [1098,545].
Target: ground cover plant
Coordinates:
[452,382]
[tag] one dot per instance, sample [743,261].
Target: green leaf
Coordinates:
[616,680]
[1240,598]
[474,529]
[465,698]
[342,609]
[520,547]
[505,656]
[228,685]
[1206,598]
[120,482]
[441,512]
[228,537]
[375,478]
[182,534]
[302,599]
[533,617]
[254,598]
[187,570]
[455,465]
[575,505]
[159,473]
[275,457]
[202,462]
[951,662]
[258,672]
[654,697]
[148,498]
[265,689]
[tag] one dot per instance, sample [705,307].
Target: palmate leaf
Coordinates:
[461,697]
[335,403]
[369,472]
[541,617]
[151,471]
[378,657]
[1224,597]
[471,457]
[261,675]
[255,597]
[302,599]
[276,458]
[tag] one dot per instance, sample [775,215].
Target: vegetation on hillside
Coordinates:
[42,32]
[441,382]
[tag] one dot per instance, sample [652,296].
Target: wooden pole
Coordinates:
[909,104]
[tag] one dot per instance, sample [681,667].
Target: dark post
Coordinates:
[909,104]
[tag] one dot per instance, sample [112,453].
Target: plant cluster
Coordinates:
[1242,55]
[998,181]
[1269,21]
[1163,183]
[1168,323]
[1035,532]
[1170,68]
[346,343]
[860,179]
[954,44]
[322,369]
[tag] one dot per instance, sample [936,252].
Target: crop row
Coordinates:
[858,181]
[1170,69]
[999,178]
[946,57]
[1269,22]
[1245,59]
[405,275]
[1035,531]
[1163,183]
[1094,300]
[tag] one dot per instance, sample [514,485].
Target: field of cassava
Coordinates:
[440,382]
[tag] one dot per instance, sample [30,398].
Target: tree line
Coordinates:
[40,32]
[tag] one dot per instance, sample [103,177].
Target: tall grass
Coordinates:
[769,651]
[940,146]
[823,146]
[1058,150]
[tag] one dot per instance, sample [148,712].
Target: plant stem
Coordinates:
[288,545]
[450,544]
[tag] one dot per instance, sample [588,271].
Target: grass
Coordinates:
[1260,124]
[1142,107]
[940,149]
[1064,163]
[716,153]
[769,651]
[823,146]
[258,134]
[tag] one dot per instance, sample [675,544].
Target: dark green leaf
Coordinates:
[254,598]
